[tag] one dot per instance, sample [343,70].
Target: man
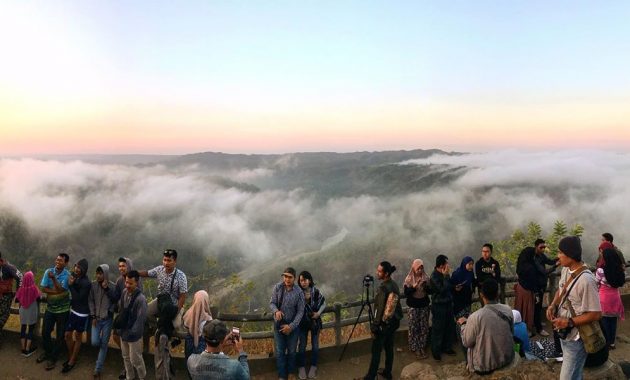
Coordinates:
[101,302]
[131,344]
[443,322]
[287,306]
[487,333]
[55,285]
[9,275]
[213,364]
[79,316]
[125,265]
[607,237]
[387,316]
[487,267]
[171,281]
[583,297]
[542,275]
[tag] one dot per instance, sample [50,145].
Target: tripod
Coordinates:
[365,301]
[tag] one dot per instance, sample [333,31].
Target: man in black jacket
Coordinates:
[80,286]
[542,273]
[443,320]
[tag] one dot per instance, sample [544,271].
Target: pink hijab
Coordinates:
[413,279]
[198,312]
[27,292]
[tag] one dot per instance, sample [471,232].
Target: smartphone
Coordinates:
[236,334]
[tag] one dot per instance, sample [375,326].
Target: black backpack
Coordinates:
[122,319]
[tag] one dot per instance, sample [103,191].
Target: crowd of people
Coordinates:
[440,307]
[119,310]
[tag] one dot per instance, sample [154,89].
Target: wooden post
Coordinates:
[502,286]
[337,324]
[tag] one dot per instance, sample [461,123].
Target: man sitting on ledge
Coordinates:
[487,333]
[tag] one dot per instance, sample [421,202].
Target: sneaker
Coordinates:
[302,373]
[312,372]
[381,373]
[543,333]
[30,351]
[67,367]
[42,358]
[24,353]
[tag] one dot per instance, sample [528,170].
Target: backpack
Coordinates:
[122,319]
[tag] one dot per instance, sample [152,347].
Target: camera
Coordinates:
[236,334]
[368,279]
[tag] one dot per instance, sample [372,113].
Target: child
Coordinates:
[28,297]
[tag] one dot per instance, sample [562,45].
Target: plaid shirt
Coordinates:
[292,304]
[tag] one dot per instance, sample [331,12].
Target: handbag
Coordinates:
[163,298]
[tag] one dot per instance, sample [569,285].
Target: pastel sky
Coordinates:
[170,77]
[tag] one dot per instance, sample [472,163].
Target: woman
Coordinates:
[415,289]
[194,320]
[314,305]
[463,280]
[525,288]
[28,296]
[609,278]
[600,259]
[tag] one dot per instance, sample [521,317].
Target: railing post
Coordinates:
[502,286]
[337,324]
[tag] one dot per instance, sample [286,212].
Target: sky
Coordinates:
[162,77]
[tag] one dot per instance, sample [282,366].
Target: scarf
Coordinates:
[198,312]
[414,280]
[28,292]
[463,276]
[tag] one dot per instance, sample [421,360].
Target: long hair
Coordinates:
[613,271]
[307,275]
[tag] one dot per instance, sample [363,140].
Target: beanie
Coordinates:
[572,247]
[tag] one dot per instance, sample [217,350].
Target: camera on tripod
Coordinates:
[368,280]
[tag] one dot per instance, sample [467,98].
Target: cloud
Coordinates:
[139,210]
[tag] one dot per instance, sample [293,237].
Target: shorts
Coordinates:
[77,323]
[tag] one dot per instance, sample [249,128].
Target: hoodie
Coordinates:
[80,291]
[101,300]
[120,282]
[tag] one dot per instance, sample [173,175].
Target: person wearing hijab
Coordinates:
[520,331]
[463,279]
[600,259]
[194,320]
[415,289]
[610,277]
[28,296]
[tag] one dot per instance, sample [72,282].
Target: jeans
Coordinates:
[573,359]
[301,355]
[100,338]
[609,328]
[285,346]
[51,348]
[384,340]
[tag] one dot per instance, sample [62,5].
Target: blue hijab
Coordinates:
[462,275]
